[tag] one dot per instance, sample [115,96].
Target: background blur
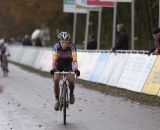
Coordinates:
[21,17]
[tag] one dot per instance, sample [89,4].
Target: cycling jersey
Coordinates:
[2,49]
[64,59]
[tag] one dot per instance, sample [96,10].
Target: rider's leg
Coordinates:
[71,80]
[56,90]
[56,85]
[1,59]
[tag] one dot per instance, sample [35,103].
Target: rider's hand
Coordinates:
[77,72]
[52,71]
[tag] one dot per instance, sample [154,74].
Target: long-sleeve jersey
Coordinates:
[2,49]
[67,56]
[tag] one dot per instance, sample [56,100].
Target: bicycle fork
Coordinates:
[63,98]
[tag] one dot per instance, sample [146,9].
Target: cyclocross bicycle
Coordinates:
[4,65]
[64,100]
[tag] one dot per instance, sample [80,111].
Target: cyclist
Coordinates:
[4,51]
[156,47]
[7,52]
[64,58]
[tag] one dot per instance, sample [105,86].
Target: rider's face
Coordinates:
[64,44]
[156,36]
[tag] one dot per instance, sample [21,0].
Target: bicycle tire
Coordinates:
[64,105]
[4,66]
[3,69]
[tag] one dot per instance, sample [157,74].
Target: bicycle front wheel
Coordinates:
[4,65]
[64,106]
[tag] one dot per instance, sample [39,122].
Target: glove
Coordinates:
[52,71]
[77,73]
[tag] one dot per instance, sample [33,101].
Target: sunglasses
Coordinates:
[64,42]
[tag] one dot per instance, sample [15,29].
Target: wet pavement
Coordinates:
[27,104]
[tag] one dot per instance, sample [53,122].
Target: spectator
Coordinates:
[38,42]
[122,39]
[156,46]
[92,43]
[27,41]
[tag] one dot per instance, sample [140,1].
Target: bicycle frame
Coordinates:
[64,91]
[4,65]
[64,100]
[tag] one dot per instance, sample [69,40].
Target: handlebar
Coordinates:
[64,72]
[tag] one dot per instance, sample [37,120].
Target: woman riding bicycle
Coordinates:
[64,58]
[4,51]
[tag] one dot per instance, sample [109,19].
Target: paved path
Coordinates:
[27,104]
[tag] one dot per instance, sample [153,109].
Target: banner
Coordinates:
[100,3]
[115,0]
[128,76]
[69,6]
[86,68]
[120,61]
[83,4]
[152,84]
[98,69]
[141,73]
[109,65]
